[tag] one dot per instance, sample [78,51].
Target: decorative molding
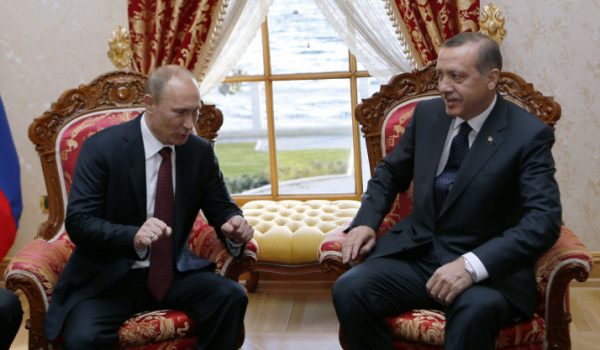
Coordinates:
[119,48]
[491,23]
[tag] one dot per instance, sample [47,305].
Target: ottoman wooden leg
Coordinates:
[252,282]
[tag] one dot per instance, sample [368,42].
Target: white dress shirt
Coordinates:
[151,148]
[472,263]
[153,159]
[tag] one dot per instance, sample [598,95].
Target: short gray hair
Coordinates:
[159,78]
[489,51]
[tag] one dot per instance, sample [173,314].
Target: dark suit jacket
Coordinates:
[504,205]
[107,206]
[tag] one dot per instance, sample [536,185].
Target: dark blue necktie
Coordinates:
[458,152]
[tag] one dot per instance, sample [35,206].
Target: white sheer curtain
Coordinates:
[368,31]
[241,23]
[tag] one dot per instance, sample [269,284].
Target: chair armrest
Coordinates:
[34,270]
[568,259]
[203,241]
[330,252]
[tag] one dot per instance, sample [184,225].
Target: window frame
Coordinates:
[352,75]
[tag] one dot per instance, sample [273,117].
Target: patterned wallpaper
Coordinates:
[47,46]
[555,44]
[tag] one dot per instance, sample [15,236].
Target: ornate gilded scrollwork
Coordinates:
[491,23]
[119,48]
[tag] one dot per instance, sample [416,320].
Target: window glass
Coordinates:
[301,39]
[242,145]
[313,130]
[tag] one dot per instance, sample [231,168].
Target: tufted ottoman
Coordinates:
[289,232]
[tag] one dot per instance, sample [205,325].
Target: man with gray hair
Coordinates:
[486,205]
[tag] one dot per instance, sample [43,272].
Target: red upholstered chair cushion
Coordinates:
[150,329]
[44,261]
[73,135]
[392,130]
[426,328]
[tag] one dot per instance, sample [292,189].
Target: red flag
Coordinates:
[10,186]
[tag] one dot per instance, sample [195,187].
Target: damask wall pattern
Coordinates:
[48,46]
[555,44]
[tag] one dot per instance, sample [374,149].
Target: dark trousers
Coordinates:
[386,286]
[11,315]
[217,304]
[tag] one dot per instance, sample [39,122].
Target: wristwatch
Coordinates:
[469,268]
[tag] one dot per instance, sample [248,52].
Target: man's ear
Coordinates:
[493,78]
[148,103]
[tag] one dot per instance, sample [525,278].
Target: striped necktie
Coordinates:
[458,152]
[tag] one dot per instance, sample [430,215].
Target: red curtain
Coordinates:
[428,23]
[172,32]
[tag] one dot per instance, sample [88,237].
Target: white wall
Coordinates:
[47,47]
[555,44]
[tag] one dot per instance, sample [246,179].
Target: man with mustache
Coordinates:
[485,206]
[136,192]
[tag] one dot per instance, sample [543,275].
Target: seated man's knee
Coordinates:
[10,305]
[481,307]
[348,290]
[80,339]
[234,294]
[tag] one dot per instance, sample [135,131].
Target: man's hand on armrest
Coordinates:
[359,241]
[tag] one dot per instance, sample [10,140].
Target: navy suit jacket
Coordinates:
[504,205]
[107,206]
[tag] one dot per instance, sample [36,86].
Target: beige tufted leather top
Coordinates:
[290,231]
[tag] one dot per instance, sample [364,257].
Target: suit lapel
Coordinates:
[432,152]
[487,142]
[134,150]
[182,196]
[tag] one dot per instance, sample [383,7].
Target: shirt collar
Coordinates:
[477,122]
[151,144]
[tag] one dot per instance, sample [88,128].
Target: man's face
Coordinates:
[171,119]
[466,91]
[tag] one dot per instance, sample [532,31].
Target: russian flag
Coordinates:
[10,186]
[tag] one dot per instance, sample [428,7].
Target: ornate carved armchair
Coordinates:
[383,118]
[58,134]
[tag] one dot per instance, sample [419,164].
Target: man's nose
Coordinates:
[443,85]
[189,120]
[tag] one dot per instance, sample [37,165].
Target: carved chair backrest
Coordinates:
[58,134]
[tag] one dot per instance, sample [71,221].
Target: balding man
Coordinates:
[137,189]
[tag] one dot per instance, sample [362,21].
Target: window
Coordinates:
[288,129]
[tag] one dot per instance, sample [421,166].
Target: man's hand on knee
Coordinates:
[449,281]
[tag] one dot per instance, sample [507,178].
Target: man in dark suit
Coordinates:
[11,316]
[137,189]
[485,207]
